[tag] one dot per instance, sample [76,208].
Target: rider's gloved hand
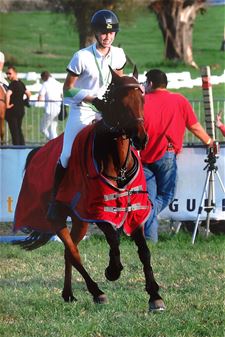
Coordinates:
[99,104]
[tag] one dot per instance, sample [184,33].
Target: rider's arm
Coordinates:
[76,95]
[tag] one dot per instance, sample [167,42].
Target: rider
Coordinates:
[87,79]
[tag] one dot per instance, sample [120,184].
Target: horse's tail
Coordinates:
[30,156]
[34,240]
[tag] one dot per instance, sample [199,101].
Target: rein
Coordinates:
[120,128]
[124,174]
[109,98]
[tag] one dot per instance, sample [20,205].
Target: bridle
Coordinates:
[120,131]
[110,99]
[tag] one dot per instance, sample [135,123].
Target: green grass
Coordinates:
[192,280]
[36,41]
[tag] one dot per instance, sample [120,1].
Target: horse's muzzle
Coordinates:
[139,142]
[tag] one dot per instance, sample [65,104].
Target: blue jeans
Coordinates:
[161,182]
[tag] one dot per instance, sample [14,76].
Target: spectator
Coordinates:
[15,105]
[219,123]
[167,115]
[88,77]
[51,93]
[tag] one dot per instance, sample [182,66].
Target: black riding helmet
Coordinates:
[105,21]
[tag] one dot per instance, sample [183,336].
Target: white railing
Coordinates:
[33,115]
[175,80]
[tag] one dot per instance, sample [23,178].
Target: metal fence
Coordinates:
[33,115]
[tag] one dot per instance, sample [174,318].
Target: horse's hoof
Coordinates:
[69,298]
[101,299]
[157,306]
[113,274]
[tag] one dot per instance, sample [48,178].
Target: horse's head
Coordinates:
[125,115]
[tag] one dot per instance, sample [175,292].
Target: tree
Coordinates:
[176,20]
[83,10]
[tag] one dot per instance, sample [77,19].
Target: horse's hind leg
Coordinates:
[72,254]
[114,268]
[155,302]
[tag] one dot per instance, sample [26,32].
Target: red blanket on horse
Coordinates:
[87,192]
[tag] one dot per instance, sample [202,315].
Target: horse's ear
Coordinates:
[115,76]
[135,72]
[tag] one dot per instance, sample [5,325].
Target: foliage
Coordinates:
[175,19]
[83,10]
[191,277]
[141,40]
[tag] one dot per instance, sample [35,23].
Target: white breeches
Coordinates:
[78,118]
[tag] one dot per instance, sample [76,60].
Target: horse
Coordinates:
[2,113]
[104,184]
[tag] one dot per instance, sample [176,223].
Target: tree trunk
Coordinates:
[176,20]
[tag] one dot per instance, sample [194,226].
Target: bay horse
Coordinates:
[2,113]
[104,184]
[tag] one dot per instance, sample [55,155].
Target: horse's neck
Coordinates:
[112,155]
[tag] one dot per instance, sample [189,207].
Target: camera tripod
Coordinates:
[209,188]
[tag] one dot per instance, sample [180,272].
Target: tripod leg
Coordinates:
[200,208]
[220,180]
[210,201]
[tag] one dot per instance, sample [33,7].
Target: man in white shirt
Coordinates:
[51,93]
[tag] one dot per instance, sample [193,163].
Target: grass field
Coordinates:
[40,40]
[191,277]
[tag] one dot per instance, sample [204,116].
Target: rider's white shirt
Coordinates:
[93,69]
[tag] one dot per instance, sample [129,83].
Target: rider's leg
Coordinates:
[72,128]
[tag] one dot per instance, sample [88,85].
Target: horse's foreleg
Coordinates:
[67,293]
[155,302]
[72,254]
[78,231]
[114,268]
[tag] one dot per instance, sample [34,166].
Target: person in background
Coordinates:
[167,115]
[15,105]
[219,123]
[3,81]
[3,89]
[87,80]
[51,92]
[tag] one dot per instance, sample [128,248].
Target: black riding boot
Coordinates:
[53,212]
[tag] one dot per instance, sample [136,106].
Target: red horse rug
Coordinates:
[90,196]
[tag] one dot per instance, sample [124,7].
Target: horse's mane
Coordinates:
[123,82]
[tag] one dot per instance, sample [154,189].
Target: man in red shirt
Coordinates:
[167,115]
